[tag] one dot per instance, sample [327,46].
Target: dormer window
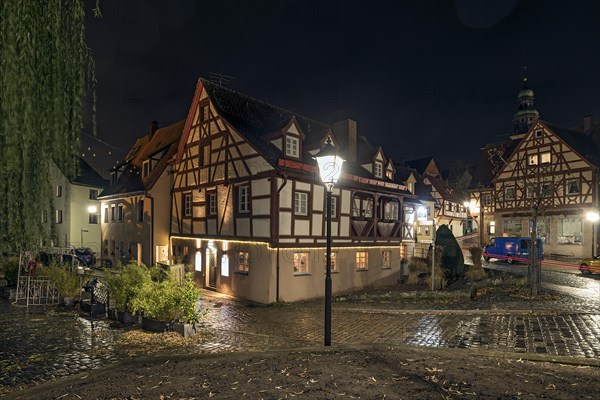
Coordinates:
[292,147]
[389,174]
[378,170]
[113,178]
[146,168]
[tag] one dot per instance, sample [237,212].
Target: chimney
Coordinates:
[153,128]
[587,123]
[345,131]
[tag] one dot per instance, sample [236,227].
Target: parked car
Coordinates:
[511,249]
[85,256]
[590,265]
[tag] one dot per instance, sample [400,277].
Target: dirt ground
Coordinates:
[363,373]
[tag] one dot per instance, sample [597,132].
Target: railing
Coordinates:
[35,291]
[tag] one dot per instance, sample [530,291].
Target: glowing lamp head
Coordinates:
[330,165]
[592,216]
[92,209]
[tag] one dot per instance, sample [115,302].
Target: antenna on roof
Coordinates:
[220,79]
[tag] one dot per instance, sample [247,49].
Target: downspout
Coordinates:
[277,263]
[149,196]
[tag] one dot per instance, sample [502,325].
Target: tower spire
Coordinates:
[526,114]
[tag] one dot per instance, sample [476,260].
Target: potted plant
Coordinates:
[66,282]
[187,302]
[166,305]
[124,285]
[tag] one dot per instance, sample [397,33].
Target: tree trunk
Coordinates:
[534,266]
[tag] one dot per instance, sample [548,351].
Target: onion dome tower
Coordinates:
[527,114]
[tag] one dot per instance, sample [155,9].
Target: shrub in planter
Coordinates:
[67,283]
[163,299]
[124,285]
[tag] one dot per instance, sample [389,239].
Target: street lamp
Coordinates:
[330,169]
[593,217]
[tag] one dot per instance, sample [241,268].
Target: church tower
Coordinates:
[527,114]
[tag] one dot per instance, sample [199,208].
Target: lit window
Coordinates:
[378,169]
[59,216]
[59,191]
[300,203]
[244,199]
[225,265]
[211,204]
[187,205]
[334,267]
[572,186]
[362,260]
[532,159]
[386,259]
[389,174]
[486,199]
[301,263]
[391,210]
[509,193]
[570,231]
[292,146]
[146,168]
[367,208]
[546,158]
[492,227]
[244,262]
[120,212]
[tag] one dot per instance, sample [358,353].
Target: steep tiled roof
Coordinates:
[419,164]
[447,192]
[161,147]
[579,141]
[255,118]
[88,176]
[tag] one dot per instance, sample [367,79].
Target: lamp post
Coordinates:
[330,168]
[433,257]
[593,217]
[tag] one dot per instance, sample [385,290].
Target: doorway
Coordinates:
[211,266]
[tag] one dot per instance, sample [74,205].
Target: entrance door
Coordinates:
[211,266]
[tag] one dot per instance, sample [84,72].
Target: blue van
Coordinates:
[511,249]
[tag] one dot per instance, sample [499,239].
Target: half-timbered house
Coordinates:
[450,203]
[136,205]
[248,206]
[552,172]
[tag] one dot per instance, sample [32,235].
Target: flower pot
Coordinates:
[154,325]
[185,330]
[126,317]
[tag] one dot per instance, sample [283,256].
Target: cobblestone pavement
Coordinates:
[44,343]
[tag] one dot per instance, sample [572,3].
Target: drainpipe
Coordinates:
[277,263]
[149,196]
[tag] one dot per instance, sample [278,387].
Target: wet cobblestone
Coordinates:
[45,343]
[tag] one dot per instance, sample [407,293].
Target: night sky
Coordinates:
[422,78]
